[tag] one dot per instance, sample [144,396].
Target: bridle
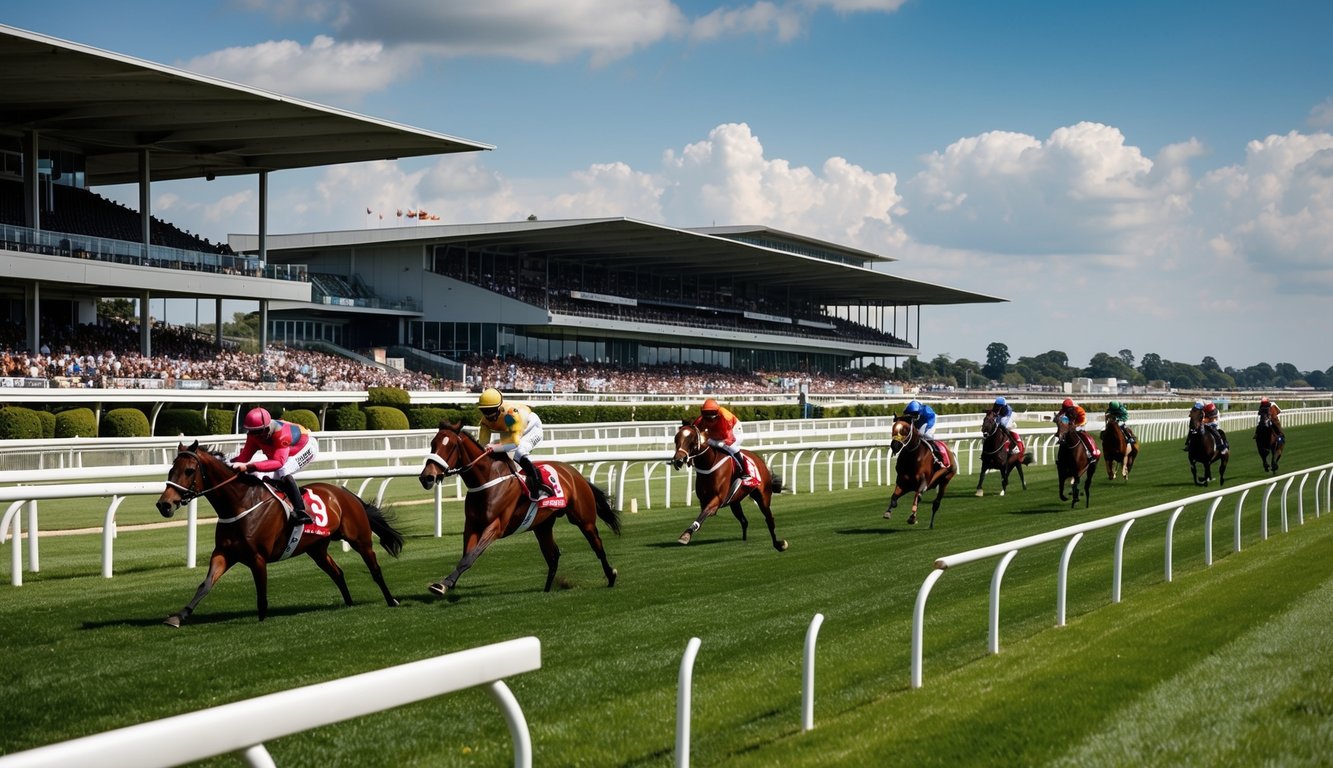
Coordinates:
[448,468]
[913,435]
[701,445]
[190,494]
[995,427]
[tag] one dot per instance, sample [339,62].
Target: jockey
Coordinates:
[289,448]
[922,418]
[519,429]
[1079,418]
[1270,411]
[1120,413]
[724,432]
[1210,419]
[1198,406]
[1004,417]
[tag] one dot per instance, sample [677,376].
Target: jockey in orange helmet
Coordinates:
[723,431]
[1210,421]
[1268,411]
[289,448]
[1079,418]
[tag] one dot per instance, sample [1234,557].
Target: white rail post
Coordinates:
[1263,524]
[109,535]
[192,534]
[1285,487]
[1118,561]
[995,580]
[439,509]
[1062,580]
[1300,500]
[918,622]
[685,683]
[808,674]
[1239,504]
[1208,532]
[518,724]
[34,562]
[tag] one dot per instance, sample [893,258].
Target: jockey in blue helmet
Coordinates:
[922,418]
[1004,418]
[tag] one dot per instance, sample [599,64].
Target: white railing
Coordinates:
[1072,534]
[244,726]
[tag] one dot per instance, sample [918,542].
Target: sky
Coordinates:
[1154,176]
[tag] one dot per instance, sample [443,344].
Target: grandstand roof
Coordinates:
[838,278]
[108,107]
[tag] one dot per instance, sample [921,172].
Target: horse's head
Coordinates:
[988,424]
[448,454]
[902,432]
[1064,428]
[1196,419]
[191,476]
[689,443]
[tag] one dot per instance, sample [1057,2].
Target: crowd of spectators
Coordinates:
[575,374]
[106,356]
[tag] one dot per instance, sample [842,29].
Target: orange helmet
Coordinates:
[710,407]
[1068,403]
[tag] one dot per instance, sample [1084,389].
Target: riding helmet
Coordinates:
[999,401]
[912,408]
[257,419]
[1068,403]
[490,398]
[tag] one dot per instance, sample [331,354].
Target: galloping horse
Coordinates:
[715,486]
[1072,461]
[1205,449]
[1268,441]
[995,454]
[498,505]
[1116,448]
[253,528]
[916,470]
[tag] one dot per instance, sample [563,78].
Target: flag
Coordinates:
[400,213]
[368,211]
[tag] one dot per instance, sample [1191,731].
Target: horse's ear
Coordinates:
[193,446]
[444,424]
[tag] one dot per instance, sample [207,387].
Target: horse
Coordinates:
[1073,461]
[1268,442]
[253,528]
[714,483]
[916,470]
[498,504]
[995,454]
[1116,448]
[1205,449]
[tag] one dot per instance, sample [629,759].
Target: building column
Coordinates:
[145,334]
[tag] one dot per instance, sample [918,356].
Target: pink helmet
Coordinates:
[257,419]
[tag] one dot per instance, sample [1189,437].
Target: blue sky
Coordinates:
[1151,176]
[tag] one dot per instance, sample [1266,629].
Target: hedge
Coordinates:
[180,421]
[18,423]
[387,396]
[303,416]
[221,421]
[385,417]
[124,422]
[348,418]
[48,420]
[430,416]
[76,422]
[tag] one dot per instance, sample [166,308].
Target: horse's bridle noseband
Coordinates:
[448,471]
[698,441]
[190,494]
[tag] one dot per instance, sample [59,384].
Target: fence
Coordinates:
[1072,534]
[244,726]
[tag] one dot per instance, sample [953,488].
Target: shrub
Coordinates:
[387,396]
[385,417]
[430,416]
[48,420]
[348,418]
[18,423]
[76,422]
[221,421]
[303,416]
[180,421]
[124,422]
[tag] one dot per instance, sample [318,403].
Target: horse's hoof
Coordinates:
[888,514]
[1002,492]
[981,493]
[173,621]
[438,588]
[684,538]
[611,580]
[393,602]
[911,520]
[781,546]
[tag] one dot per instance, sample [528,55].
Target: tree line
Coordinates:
[1052,369]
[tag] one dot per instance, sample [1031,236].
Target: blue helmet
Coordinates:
[1198,404]
[912,408]
[1000,401]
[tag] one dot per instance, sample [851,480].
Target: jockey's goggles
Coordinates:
[490,413]
[709,414]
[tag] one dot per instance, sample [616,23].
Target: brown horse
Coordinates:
[916,470]
[253,528]
[997,453]
[498,505]
[1269,442]
[1072,461]
[1116,448]
[1205,449]
[714,484]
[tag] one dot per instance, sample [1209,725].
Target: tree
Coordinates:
[122,309]
[1126,357]
[1286,374]
[997,361]
[1209,364]
[1153,367]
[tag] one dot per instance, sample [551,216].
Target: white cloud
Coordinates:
[785,22]
[324,69]
[1322,115]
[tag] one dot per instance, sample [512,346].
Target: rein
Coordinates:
[189,494]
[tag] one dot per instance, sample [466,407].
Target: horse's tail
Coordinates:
[381,523]
[775,483]
[609,514]
[1027,459]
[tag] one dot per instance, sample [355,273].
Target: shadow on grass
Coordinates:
[871,531]
[205,617]
[695,542]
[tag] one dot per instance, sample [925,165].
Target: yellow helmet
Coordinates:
[490,398]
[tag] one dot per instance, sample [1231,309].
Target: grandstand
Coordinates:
[613,291]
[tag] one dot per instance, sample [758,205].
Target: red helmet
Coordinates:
[1068,403]
[710,408]
[1263,401]
[257,419]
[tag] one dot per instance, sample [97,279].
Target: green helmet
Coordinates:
[1115,405]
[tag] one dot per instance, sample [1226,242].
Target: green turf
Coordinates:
[1225,665]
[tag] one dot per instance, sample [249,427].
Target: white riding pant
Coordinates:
[532,435]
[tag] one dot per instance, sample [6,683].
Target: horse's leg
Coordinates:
[218,564]
[320,554]
[259,570]
[545,533]
[365,547]
[1064,479]
[474,543]
[1222,469]
[740,515]
[708,511]
[981,478]
[1021,479]
[1004,478]
[767,510]
[939,496]
[589,528]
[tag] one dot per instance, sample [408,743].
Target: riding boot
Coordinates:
[536,488]
[1226,447]
[742,472]
[935,454]
[299,514]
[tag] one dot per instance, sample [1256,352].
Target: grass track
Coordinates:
[1225,665]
